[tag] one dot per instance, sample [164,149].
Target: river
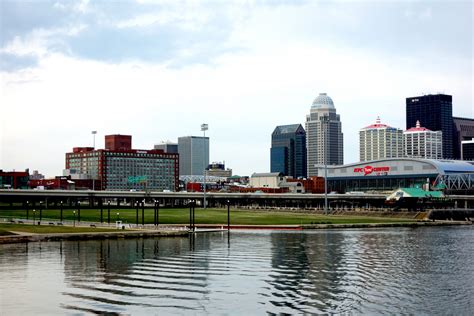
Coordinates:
[428,270]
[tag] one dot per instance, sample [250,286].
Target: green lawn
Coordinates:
[209,216]
[6,229]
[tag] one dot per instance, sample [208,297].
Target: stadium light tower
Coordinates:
[204,128]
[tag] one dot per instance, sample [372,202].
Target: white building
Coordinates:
[270,180]
[324,138]
[380,141]
[421,142]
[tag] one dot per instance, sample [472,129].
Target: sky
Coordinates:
[157,70]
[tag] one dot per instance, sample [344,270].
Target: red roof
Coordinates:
[418,128]
[377,124]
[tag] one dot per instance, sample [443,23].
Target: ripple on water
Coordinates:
[386,271]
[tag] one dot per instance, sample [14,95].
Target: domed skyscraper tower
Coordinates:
[324,138]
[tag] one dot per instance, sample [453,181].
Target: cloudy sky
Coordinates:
[158,69]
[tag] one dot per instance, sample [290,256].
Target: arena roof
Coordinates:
[442,166]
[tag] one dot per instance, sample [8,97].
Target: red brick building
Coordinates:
[119,167]
[14,179]
[311,185]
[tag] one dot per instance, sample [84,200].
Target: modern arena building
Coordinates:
[394,173]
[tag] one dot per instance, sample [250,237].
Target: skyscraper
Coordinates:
[463,130]
[193,155]
[379,141]
[420,142]
[288,152]
[436,113]
[324,138]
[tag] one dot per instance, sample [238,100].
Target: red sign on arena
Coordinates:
[369,170]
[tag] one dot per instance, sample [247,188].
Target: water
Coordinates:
[380,271]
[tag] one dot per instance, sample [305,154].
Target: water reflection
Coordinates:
[378,271]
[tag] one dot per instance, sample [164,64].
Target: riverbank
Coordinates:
[13,236]
[14,233]
[339,226]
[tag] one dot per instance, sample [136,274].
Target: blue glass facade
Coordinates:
[279,160]
[288,151]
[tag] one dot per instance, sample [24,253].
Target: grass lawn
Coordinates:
[209,216]
[45,229]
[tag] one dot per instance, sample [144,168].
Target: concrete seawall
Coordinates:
[337,226]
[451,214]
[90,236]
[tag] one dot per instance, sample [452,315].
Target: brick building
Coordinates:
[119,167]
[14,179]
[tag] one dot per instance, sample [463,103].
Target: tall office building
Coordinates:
[420,142]
[380,141]
[436,113]
[288,152]
[463,130]
[193,155]
[324,138]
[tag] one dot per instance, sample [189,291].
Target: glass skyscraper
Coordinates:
[435,111]
[288,152]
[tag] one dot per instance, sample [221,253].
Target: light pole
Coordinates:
[61,211]
[228,215]
[143,213]
[74,214]
[93,176]
[41,212]
[325,122]
[34,217]
[27,210]
[78,211]
[93,136]
[204,128]
[108,212]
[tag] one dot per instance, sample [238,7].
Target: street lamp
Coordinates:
[325,122]
[143,212]
[34,217]
[93,176]
[41,212]
[118,217]
[74,214]
[27,210]
[78,211]
[93,136]
[228,215]
[204,128]
[108,212]
[61,211]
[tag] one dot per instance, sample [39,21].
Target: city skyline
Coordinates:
[157,70]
